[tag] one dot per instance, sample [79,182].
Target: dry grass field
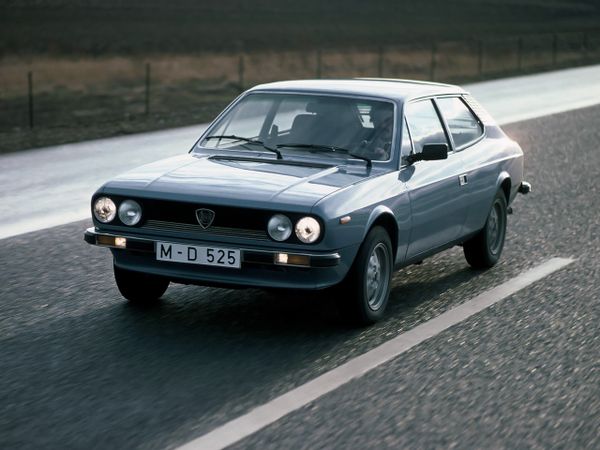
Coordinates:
[89,62]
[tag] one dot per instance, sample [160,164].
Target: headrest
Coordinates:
[326,107]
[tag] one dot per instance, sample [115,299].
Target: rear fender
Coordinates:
[505,184]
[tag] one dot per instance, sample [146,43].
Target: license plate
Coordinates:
[194,254]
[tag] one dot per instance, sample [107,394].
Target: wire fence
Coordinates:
[184,89]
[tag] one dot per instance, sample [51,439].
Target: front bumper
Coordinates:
[259,267]
[524,188]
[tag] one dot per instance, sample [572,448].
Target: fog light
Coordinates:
[308,230]
[120,242]
[292,260]
[104,209]
[281,258]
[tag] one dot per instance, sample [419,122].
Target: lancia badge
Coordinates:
[205,217]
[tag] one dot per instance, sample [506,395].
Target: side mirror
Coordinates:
[431,152]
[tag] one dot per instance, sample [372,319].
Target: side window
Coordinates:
[425,125]
[364,112]
[463,125]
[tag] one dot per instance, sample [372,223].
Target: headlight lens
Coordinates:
[105,209]
[308,230]
[130,212]
[279,227]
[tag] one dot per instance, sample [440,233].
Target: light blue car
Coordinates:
[316,184]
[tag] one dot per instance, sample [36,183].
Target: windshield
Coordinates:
[354,128]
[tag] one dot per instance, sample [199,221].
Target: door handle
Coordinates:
[462,179]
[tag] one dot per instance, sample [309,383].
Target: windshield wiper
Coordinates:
[248,140]
[331,148]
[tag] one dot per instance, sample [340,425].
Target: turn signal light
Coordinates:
[281,258]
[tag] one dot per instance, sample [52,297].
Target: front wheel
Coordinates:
[366,289]
[140,287]
[484,249]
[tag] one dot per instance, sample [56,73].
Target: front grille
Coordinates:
[197,230]
[177,218]
[226,217]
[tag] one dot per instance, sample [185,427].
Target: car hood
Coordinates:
[239,181]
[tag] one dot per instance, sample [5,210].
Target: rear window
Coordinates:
[464,127]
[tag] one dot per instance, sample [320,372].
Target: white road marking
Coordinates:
[268,413]
[52,186]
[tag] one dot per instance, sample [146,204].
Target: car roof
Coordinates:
[389,88]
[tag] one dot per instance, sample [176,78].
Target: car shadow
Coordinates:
[286,313]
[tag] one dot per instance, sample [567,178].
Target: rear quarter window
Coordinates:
[464,127]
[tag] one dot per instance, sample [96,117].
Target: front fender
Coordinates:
[396,228]
[378,211]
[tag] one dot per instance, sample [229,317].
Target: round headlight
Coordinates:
[279,227]
[104,209]
[130,212]
[308,230]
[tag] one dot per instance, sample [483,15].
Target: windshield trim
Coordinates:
[197,148]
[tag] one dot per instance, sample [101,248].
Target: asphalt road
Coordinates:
[82,369]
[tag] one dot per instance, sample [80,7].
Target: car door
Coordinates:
[480,170]
[437,197]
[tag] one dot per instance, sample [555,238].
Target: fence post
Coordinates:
[380,63]
[480,58]
[147,91]
[241,72]
[30,94]
[433,62]
[319,63]
[554,48]
[520,54]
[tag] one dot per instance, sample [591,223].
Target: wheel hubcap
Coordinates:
[495,228]
[377,276]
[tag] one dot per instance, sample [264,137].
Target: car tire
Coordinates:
[140,288]
[484,249]
[365,292]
